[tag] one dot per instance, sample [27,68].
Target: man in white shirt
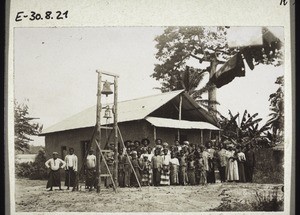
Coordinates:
[54,164]
[90,170]
[71,169]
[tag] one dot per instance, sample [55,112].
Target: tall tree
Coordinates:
[24,127]
[177,45]
[208,46]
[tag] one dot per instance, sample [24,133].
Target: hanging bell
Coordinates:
[106,89]
[107,113]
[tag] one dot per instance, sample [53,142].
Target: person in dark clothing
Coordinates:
[211,178]
[241,158]
[250,163]
[183,177]
[127,169]
[121,172]
[137,146]
[109,157]
[145,142]
[222,155]
[157,162]
[135,179]
[191,170]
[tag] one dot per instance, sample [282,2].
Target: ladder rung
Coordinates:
[106,150]
[107,127]
[104,175]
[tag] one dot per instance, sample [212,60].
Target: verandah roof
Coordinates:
[181,124]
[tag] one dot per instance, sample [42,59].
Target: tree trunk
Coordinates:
[212,93]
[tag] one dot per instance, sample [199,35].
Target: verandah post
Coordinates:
[179,117]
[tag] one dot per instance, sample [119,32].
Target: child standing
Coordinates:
[182,168]
[145,167]
[165,173]
[156,162]
[127,169]
[174,169]
[135,179]
[191,170]
[200,171]
[149,156]
[121,159]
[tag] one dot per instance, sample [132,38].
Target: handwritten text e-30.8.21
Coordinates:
[38,16]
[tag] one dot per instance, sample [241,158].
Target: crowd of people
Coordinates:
[184,164]
[164,164]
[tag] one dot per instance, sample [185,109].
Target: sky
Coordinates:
[55,71]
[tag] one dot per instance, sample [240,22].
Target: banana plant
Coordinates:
[244,132]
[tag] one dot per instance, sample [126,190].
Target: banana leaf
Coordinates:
[244,117]
[233,119]
[248,124]
[251,117]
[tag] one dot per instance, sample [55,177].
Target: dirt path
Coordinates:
[32,196]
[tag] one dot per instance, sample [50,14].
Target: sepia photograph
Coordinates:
[149,119]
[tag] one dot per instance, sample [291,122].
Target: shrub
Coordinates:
[33,170]
[269,202]
[232,205]
[269,167]
[262,202]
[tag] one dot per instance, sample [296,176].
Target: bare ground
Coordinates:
[31,196]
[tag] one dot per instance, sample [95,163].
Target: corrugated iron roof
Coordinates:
[182,124]
[129,110]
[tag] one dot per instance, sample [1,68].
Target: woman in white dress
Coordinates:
[232,165]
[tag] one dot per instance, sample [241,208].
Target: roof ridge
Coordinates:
[143,97]
[158,94]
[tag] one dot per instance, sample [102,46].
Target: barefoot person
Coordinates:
[191,170]
[165,172]
[127,168]
[71,169]
[183,178]
[54,164]
[90,170]
[174,169]
[210,174]
[222,161]
[241,160]
[232,172]
[157,162]
[250,162]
